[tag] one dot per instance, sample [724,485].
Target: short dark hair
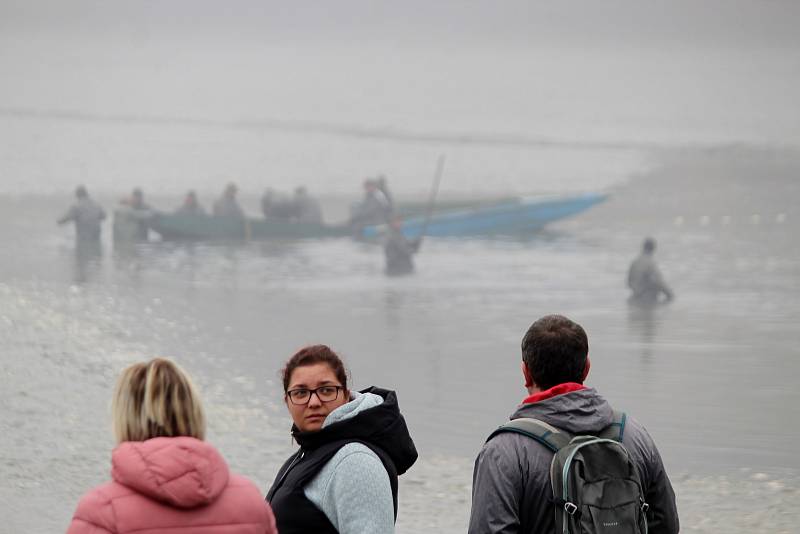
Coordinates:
[649,245]
[311,355]
[554,350]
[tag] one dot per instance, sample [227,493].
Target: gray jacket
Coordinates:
[511,481]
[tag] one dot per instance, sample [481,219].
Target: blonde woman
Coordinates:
[165,478]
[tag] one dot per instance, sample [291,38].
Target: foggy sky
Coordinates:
[637,22]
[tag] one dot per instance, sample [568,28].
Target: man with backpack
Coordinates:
[567,462]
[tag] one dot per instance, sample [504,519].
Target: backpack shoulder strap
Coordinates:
[548,435]
[616,429]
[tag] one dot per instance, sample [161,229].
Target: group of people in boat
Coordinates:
[376,207]
[353,445]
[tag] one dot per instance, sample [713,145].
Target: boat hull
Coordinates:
[172,227]
[506,218]
[512,217]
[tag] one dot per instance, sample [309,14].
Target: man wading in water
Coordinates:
[399,250]
[88,217]
[645,279]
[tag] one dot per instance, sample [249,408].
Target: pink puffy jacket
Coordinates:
[175,486]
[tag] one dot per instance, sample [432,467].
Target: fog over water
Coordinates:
[684,113]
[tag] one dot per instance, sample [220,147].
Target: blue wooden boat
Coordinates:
[513,217]
[507,217]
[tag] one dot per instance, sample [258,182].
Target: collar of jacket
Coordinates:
[382,425]
[566,387]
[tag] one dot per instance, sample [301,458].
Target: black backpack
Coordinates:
[596,486]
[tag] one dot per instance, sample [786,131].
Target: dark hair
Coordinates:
[554,350]
[311,355]
[649,245]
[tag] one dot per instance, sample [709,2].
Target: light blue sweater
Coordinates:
[353,488]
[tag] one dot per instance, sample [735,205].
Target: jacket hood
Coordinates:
[578,412]
[381,424]
[183,472]
[359,403]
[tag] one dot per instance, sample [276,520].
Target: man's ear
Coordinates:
[586,369]
[527,374]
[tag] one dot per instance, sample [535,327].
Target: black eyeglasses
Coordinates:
[302,396]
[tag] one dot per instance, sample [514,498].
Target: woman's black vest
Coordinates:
[382,429]
[294,513]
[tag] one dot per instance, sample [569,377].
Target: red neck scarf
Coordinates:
[567,387]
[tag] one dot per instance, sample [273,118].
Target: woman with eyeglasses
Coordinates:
[353,445]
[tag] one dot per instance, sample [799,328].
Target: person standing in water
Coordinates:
[645,279]
[399,250]
[138,213]
[88,217]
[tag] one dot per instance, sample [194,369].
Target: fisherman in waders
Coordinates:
[88,217]
[399,250]
[132,220]
[645,279]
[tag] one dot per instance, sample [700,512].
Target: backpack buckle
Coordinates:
[570,508]
[645,507]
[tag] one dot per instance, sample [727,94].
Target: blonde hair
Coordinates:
[156,399]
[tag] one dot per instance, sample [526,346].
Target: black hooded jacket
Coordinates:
[381,428]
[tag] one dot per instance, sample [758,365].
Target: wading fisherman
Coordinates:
[645,279]
[87,215]
[399,250]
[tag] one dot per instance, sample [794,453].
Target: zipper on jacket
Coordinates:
[288,469]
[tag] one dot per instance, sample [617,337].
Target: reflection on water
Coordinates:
[643,323]
[88,260]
